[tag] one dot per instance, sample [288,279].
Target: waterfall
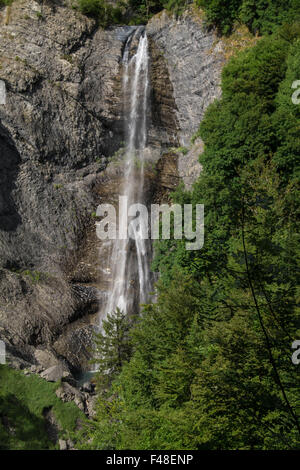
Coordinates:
[130,258]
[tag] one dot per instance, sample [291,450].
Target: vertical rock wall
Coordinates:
[194,60]
[62,124]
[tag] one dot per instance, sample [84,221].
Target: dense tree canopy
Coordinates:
[210,366]
[261,16]
[130,11]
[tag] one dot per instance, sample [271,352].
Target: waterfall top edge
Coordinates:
[124,32]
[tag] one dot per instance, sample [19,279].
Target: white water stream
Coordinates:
[130,259]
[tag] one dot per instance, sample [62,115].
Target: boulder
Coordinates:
[68,393]
[55,373]
[62,444]
[91,402]
[88,387]
[46,358]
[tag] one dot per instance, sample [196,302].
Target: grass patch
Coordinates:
[22,402]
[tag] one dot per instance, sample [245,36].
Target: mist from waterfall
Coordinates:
[130,259]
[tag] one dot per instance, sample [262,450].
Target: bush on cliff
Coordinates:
[261,16]
[130,11]
[102,11]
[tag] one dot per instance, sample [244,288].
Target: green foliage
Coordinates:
[249,190]
[129,12]
[23,399]
[39,15]
[4,3]
[262,16]
[176,6]
[287,116]
[102,11]
[112,348]
[220,13]
[143,10]
[211,360]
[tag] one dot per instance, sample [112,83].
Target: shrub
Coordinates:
[102,11]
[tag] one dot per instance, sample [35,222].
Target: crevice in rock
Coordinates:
[9,168]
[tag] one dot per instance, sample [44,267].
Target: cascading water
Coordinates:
[130,272]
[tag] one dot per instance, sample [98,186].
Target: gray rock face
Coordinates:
[61,125]
[85,401]
[62,444]
[68,393]
[55,373]
[194,61]
[45,358]
[189,168]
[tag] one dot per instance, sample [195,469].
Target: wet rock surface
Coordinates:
[194,59]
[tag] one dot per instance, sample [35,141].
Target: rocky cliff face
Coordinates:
[59,129]
[193,59]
